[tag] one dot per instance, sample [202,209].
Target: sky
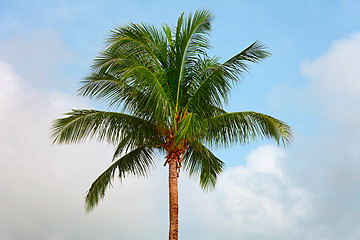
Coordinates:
[308,190]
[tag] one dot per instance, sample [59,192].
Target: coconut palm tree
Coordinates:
[167,96]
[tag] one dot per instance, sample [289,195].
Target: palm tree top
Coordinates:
[167,96]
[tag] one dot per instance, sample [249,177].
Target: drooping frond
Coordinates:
[137,162]
[242,127]
[201,162]
[81,125]
[128,143]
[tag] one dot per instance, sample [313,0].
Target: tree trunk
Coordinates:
[173,201]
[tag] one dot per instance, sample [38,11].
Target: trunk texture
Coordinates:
[173,200]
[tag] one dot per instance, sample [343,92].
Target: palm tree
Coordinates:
[167,97]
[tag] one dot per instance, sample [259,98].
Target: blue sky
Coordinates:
[309,190]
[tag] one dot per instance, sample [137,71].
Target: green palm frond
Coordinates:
[81,125]
[238,64]
[133,62]
[129,143]
[138,162]
[153,88]
[126,144]
[157,40]
[189,128]
[201,162]
[190,42]
[209,87]
[135,42]
[216,80]
[241,127]
[107,88]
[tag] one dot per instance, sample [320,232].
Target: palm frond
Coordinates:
[134,41]
[116,93]
[189,128]
[81,125]
[138,162]
[201,162]
[238,64]
[157,41]
[152,87]
[191,41]
[135,59]
[214,86]
[241,127]
[105,87]
[203,90]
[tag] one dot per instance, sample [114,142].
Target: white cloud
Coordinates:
[265,160]
[334,84]
[336,73]
[334,81]
[42,186]
[9,82]
[332,159]
[256,201]
[324,158]
[308,192]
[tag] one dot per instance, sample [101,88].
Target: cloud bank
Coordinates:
[44,185]
[309,191]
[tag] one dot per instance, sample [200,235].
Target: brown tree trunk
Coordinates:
[173,200]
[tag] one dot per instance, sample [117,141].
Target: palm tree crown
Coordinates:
[168,96]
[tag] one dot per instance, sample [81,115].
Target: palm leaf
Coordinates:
[134,58]
[191,41]
[215,84]
[138,162]
[241,127]
[81,125]
[189,128]
[134,40]
[116,93]
[201,162]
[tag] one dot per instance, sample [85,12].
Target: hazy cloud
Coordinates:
[309,191]
[336,74]
[255,201]
[43,186]
[332,158]
[324,158]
